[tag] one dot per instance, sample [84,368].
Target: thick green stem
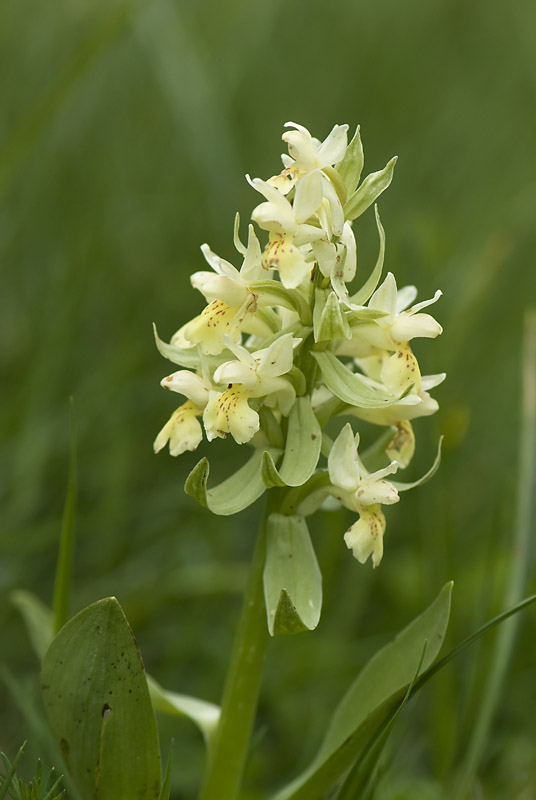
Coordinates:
[227,761]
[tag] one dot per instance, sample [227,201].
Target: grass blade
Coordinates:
[62,583]
[515,589]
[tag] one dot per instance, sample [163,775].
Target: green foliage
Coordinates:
[301,452]
[292,578]
[371,698]
[97,700]
[38,788]
[117,142]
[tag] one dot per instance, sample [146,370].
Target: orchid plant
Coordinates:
[294,349]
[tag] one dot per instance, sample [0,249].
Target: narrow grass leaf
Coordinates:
[362,774]
[62,581]
[165,792]
[38,619]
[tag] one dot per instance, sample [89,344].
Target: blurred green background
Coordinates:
[125,131]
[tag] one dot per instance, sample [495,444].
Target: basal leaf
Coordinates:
[97,700]
[292,579]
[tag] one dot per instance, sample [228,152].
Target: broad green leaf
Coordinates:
[351,166]
[302,450]
[38,618]
[233,494]
[368,288]
[97,700]
[371,188]
[329,322]
[372,697]
[274,293]
[292,579]
[351,387]
[403,487]
[204,714]
[362,772]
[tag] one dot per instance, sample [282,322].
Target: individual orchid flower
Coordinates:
[307,153]
[394,330]
[363,492]
[226,282]
[287,226]
[252,375]
[217,320]
[183,431]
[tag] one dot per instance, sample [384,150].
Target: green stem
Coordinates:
[227,761]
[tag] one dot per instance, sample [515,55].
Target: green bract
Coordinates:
[292,336]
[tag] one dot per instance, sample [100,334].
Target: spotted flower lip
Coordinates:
[182,430]
[251,375]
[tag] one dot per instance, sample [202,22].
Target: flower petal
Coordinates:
[189,384]
[384,298]
[402,447]
[365,537]
[342,460]
[220,287]
[333,148]
[410,326]
[400,371]
[183,431]
[308,195]
[229,412]
[405,297]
